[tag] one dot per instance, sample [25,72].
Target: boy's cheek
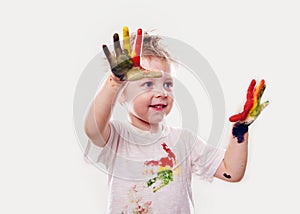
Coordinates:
[170,106]
[131,98]
[132,90]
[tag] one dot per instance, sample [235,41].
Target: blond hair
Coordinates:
[152,46]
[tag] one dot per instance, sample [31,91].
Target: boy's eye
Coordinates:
[148,84]
[168,85]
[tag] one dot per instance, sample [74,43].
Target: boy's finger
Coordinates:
[138,42]
[126,40]
[264,105]
[256,111]
[260,90]
[117,45]
[109,56]
[235,118]
[248,105]
[137,74]
[250,101]
[137,48]
[250,89]
[152,74]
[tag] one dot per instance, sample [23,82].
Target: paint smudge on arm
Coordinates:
[239,130]
[227,175]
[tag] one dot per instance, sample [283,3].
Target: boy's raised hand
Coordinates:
[252,109]
[125,65]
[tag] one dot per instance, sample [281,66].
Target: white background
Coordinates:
[44,47]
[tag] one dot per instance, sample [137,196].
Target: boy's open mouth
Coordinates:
[158,106]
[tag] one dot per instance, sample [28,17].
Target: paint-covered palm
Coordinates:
[252,107]
[125,65]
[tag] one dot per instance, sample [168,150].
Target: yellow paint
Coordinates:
[126,39]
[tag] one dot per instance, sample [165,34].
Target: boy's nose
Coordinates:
[161,93]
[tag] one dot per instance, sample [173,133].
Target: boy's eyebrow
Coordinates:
[147,79]
[169,78]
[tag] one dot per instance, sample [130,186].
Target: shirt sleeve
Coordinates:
[205,159]
[97,154]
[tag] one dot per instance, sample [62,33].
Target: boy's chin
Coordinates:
[156,119]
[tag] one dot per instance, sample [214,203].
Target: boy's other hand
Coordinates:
[252,107]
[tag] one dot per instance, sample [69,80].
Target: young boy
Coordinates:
[150,165]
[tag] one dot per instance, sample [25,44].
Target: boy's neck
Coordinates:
[144,126]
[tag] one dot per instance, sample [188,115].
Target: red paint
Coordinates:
[248,105]
[136,61]
[138,46]
[165,161]
[139,31]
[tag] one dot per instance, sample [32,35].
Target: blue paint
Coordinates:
[239,130]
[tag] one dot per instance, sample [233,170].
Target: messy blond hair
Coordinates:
[152,46]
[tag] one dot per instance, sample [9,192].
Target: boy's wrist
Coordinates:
[115,81]
[239,130]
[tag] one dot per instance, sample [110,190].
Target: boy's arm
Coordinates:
[125,66]
[97,121]
[233,166]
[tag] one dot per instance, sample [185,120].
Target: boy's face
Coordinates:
[149,100]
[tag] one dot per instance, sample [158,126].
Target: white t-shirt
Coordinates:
[151,173]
